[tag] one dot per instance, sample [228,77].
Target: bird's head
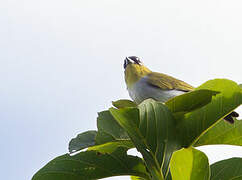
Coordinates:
[134,70]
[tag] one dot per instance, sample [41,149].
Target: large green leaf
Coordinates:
[82,141]
[190,101]
[152,131]
[157,125]
[195,123]
[222,133]
[109,129]
[230,169]
[110,134]
[110,147]
[189,163]
[92,165]
[123,103]
[109,137]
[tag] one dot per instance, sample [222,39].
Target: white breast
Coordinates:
[142,90]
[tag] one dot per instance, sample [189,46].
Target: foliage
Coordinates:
[165,134]
[189,163]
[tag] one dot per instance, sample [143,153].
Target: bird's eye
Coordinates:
[135,59]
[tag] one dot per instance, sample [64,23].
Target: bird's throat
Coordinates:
[134,72]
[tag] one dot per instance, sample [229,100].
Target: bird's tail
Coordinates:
[229,118]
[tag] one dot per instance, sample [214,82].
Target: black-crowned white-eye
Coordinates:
[142,83]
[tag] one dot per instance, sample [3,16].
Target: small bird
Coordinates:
[143,83]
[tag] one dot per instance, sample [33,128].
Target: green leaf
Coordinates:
[92,165]
[128,118]
[197,122]
[109,137]
[151,128]
[110,147]
[109,129]
[191,100]
[136,178]
[110,134]
[227,169]
[122,103]
[157,126]
[82,141]
[189,163]
[222,133]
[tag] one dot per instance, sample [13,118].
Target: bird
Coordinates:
[142,83]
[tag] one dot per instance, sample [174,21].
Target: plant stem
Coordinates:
[152,165]
[156,175]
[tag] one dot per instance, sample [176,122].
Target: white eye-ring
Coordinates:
[134,59]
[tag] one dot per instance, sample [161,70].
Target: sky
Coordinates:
[61,62]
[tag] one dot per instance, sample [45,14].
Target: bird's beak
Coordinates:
[126,62]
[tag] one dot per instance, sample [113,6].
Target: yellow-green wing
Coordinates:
[166,82]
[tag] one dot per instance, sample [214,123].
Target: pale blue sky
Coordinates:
[62,61]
